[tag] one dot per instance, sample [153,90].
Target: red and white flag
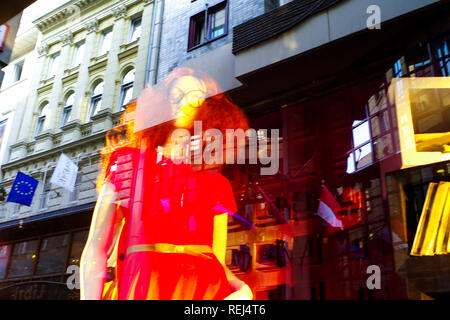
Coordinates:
[329,208]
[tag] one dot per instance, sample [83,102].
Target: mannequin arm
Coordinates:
[241,291]
[93,260]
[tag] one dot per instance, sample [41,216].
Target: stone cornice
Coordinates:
[71,125]
[69,11]
[105,113]
[65,11]
[147,2]
[76,144]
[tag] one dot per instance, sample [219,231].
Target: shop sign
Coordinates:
[37,290]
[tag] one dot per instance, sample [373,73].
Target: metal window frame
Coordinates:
[76,52]
[16,68]
[206,16]
[5,279]
[133,28]
[102,41]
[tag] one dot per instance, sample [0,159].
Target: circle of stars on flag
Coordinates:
[20,190]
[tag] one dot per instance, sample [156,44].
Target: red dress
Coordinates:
[171,204]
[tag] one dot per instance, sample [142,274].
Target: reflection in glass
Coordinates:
[126,91]
[23,258]
[361,134]
[78,242]
[96,98]
[217,23]
[52,254]
[363,156]
[4,255]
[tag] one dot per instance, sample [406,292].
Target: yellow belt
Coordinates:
[193,249]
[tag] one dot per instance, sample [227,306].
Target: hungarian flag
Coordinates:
[329,209]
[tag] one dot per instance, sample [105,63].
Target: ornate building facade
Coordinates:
[91,59]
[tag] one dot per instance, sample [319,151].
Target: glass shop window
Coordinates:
[442,55]
[23,259]
[78,242]
[5,251]
[361,155]
[52,254]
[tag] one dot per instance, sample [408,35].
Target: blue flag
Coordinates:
[23,189]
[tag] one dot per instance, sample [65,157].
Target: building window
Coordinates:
[361,154]
[52,254]
[47,256]
[2,130]
[5,251]
[96,98]
[135,29]
[78,242]
[372,135]
[41,119]
[442,55]
[208,25]
[45,195]
[78,54]
[53,65]
[18,71]
[269,5]
[67,109]
[73,196]
[23,259]
[126,89]
[105,42]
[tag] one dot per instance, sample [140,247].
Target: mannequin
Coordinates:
[169,240]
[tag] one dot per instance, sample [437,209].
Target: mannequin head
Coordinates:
[186,95]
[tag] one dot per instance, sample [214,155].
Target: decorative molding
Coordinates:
[66,38]
[98,63]
[128,51]
[120,12]
[60,14]
[147,2]
[91,26]
[71,77]
[43,49]
[44,87]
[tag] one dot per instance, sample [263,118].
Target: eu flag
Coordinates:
[23,189]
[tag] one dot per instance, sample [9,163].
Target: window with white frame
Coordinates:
[53,65]
[43,110]
[67,109]
[135,29]
[126,89]
[78,54]
[2,130]
[73,196]
[45,195]
[105,42]
[96,98]
[18,67]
